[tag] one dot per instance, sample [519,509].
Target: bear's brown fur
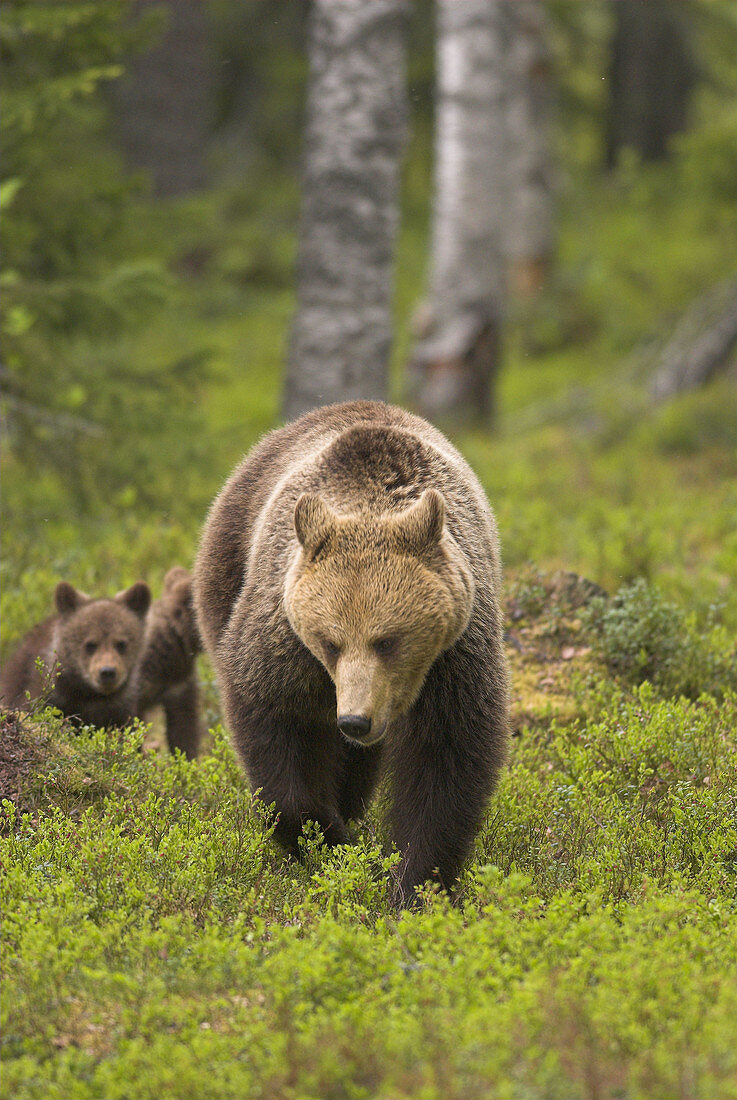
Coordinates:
[167,674]
[87,651]
[347,588]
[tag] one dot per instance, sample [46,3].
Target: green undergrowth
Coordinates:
[157,944]
[642,636]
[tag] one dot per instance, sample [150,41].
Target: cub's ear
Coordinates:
[178,587]
[421,525]
[314,521]
[137,598]
[177,575]
[68,598]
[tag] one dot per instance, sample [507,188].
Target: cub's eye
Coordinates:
[386,647]
[121,646]
[90,647]
[332,651]
[178,612]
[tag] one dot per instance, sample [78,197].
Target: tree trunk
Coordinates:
[457,355]
[356,119]
[164,103]
[701,345]
[529,235]
[651,77]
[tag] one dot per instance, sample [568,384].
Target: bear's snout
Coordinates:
[355,726]
[363,698]
[108,676]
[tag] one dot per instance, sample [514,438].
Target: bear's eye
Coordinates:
[332,651]
[178,612]
[121,646]
[90,647]
[386,647]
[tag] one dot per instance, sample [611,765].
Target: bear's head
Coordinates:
[98,641]
[376,600]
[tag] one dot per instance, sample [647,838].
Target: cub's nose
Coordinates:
[354,725]
[107,675]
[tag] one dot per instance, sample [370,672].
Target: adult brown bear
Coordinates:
[347,589]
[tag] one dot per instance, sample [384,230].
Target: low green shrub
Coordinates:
[642,636]
[157,944]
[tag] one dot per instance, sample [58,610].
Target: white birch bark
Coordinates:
[457,355]
[356,118]
[529,236]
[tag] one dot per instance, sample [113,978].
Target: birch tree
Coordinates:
[457,354]
[356,111]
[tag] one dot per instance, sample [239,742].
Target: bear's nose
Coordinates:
[354,725]
[107,674]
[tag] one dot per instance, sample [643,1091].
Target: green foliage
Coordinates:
[74,394]
[693,422]
[641,791]
[154,935]
[642,636]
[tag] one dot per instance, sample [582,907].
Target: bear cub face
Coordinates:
[376,599]
[98,641]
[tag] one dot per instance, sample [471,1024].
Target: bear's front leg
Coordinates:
[293,764]
[445,759]
[182,711]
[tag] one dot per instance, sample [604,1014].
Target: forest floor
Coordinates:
[157,944]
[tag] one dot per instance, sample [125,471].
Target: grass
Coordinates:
[158,945]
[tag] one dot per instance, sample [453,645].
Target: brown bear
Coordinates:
[166,674]
[347,589]
[88,651]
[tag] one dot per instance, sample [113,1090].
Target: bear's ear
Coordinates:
[67,598]
[314,521]
[178,587]
[137,598]
[177,575]
[421,526]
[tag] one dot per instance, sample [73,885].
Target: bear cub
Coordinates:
[167,674]
[347,588]
[88,651]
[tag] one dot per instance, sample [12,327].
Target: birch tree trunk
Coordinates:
[356,118]
[529,237]
[457,355]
